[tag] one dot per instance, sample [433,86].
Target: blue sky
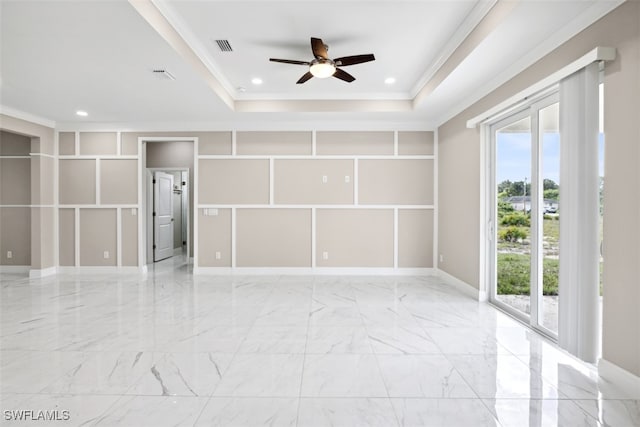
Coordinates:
[513,153]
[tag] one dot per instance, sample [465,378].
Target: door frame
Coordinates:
[489,210]
[143,198]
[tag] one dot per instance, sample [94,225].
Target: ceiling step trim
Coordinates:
[158,16]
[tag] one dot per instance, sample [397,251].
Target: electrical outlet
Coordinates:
[325,179]
[9,254]
[347,179]
[218,255]
[106,254]
[134,211]
[325,255]
[441,258]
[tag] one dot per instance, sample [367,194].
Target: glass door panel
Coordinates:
[549,132]
[513,151]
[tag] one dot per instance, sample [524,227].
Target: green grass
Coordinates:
[514,267]
[551,229]
[514,275]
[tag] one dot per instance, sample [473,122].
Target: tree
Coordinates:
[504,187]
[549,184]
[552,194]
[508,188]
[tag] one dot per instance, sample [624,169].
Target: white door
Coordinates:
[162,216]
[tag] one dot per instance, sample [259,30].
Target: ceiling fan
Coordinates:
[322,66]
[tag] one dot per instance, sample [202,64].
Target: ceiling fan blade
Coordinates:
[318,48]
[304,78]
[355,59]
[289,61]
[343,75]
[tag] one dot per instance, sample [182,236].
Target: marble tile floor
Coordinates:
[173,349]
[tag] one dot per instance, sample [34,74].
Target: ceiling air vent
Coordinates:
[224,45]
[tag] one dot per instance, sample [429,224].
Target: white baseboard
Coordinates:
[463,287]
[621,377]
[319,271]
[35,273]
[102,270]
[16,269]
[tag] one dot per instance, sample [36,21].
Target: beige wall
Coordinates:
[415,227]
[12,144]
[362,143]
[354,238]
[118,182]
[15,189]
[274,237]
[97,235]
[418,143]
[15,235]
[218,143]
[292,143]
[227,179]
[401,182]
[41,183]
[67,143]
[459,163]
[98,143]
[301,181]
[78,177]
[15,181]
[129,218]
[233,181]
[77,182]
[215,236]
[42,236]
[284,173]
[67,237]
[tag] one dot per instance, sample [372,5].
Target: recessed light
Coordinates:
[389,80]
[256,81]
[82,113]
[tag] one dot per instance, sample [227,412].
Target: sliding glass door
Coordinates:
[525,215]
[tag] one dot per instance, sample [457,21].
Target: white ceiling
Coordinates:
[61,56]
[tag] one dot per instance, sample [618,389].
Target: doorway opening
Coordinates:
[168,216]
[167,197]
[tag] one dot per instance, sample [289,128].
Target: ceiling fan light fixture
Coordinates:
[322,69]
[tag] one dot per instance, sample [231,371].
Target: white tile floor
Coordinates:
[173,349]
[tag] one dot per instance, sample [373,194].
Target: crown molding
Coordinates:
[22,115]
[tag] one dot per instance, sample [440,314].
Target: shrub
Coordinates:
[512,234]
[504,208]
[517,219]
